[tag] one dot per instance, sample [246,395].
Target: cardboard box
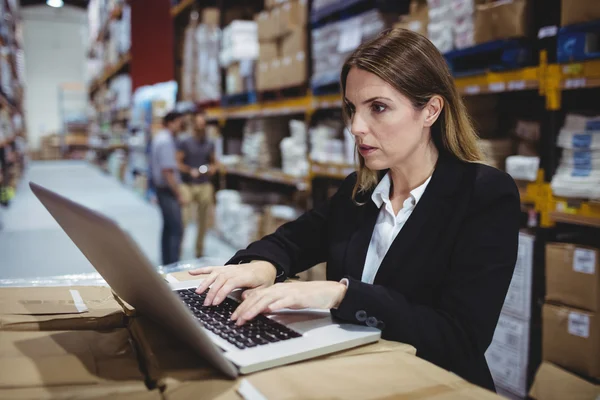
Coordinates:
[573,276]
[268,51]
[571,339]
[386,375]
[417,20]
[293,15]
[263,81]
[233,80]
[501,20]
[268,24]
[211,16]
[294,70]
[275,78]
[68,358]
[60,308]
[508,354]
[554,383]
[518,297]
[294,42]
[579,11]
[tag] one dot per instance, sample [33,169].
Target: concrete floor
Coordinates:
[33,245]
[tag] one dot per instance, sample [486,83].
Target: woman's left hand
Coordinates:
[297,295]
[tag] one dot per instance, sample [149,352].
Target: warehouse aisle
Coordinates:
[33,245]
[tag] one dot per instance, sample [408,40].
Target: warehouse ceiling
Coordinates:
[76,3]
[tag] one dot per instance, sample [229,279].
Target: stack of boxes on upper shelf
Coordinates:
[282,60]
[508,354]
[110,34]
[459,24]
[333,42]
[571,329]
[578,174]
[201,75]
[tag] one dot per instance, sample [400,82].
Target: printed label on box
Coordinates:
[593,125]
[584,261]
[582,140]
[579,324]
[581,171]
[518,297]
[582,158]
[300,56]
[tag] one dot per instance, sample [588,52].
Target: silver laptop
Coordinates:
[267,341]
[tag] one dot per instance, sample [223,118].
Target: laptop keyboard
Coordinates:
[258,331]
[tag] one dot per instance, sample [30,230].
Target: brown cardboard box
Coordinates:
[59,308]
[68,358]
[266,31]
[294,70]
[390,375]
[211,16]
[573,276]
[417,20]
[294,42]
[501,20]
[554,383]
[263,81]
[293,15]
[275,77]
[268,51]
[571,339]
[112,391]
[579,11]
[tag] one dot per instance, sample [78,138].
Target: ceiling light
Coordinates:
[55,3]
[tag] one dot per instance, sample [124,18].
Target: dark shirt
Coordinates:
[196,153]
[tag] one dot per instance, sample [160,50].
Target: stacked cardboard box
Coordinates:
[579,11]
[571,337]
[294,160]
[499,20]
[67,342]
[332,43]
[418,18]
[261,142]
[283,45]
[50,147]
[578,174]
[554,383]
[496,151]
[508,355]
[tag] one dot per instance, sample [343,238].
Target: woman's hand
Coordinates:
[256,274]
[298,295]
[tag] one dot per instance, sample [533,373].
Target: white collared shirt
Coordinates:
[388,224]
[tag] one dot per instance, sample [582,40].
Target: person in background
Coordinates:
[196,157]
[166,180]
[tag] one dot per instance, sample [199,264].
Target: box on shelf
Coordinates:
[59,308]
[294,42]
[501,20]
[496,151]
[571,339]
[211,16]
[268,51]
[579,11]
[417,20]
[294,70]
[573,275]
[554,383]
[293,14]
[240,77]
[508,354]
[263,81]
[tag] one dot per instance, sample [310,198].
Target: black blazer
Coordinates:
[443,281]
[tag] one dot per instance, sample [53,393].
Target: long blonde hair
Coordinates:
[412,65]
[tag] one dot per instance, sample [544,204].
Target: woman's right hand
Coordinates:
[256,274]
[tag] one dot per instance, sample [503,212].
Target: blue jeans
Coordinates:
[172,233]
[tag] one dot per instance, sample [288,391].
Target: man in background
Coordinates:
[166,180]
[197,164]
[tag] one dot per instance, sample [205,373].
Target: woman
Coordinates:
[420,242]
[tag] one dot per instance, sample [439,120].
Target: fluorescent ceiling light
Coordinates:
[55,3]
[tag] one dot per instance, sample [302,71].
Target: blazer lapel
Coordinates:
[356,251]
[426,219]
